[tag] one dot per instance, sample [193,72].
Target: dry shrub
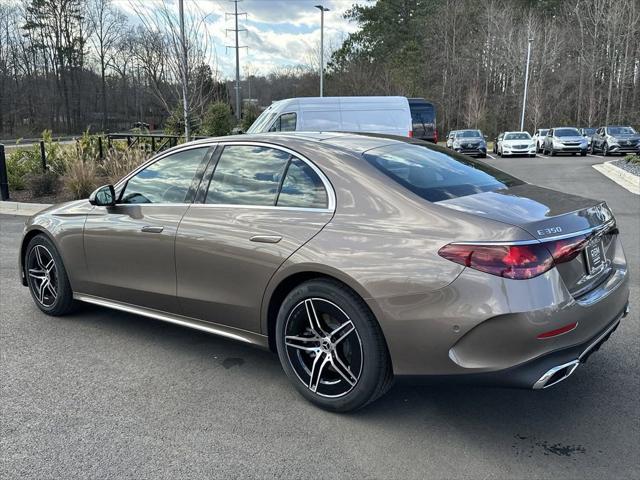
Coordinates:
[81,177]
[119,163]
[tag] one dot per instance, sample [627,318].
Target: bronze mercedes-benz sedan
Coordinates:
[356,258]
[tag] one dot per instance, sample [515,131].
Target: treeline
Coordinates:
[469,56]
[69,65]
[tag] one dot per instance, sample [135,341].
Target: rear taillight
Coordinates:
[567,249]
[517,262]
[410,133]
[435,135]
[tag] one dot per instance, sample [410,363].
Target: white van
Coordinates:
[389,115]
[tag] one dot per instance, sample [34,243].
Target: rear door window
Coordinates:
[247,175]
[302,187]
[436,175]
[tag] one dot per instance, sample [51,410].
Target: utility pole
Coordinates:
[185,78]
[526,83]
[237,47]
[322,10]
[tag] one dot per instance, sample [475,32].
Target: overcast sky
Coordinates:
[279,32]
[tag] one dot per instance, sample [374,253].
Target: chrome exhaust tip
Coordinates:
[556,375]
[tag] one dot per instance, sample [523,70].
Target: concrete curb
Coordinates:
[621,177]
[22,208]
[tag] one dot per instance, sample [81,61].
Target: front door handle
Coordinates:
[150,229]
[266,238]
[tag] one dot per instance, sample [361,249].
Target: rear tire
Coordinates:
[47,278]
[331,346]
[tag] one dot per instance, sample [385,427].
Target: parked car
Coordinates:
[564,140]
[389,115]
[587,132]
[356,258]
[538,138]
[470,142]
[450,138]
[497,141]
[516,143]
[615,139]
[423,116]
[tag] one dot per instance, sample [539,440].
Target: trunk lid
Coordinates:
[549,216]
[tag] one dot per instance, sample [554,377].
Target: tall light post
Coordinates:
[526,83]
[322,10]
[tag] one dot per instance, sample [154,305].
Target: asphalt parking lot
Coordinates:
[104,394]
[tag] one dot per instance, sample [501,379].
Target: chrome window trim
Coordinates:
[160,156]
[259,207]
[331,194]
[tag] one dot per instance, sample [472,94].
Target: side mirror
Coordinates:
[104,196]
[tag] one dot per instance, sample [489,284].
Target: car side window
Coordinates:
[167,180]
[247,175]
[285,123]
[302,187]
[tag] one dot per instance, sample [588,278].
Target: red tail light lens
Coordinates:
[410,133]
[517,262]
[435,136]
[567,249]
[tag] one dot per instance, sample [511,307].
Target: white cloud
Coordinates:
[279,32]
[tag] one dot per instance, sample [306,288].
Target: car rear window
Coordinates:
[435,175]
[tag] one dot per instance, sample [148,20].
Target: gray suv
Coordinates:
[615,139]
[564,140]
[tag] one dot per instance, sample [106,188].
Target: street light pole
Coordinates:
[526,83]
[322,10]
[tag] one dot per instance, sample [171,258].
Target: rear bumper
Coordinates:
[539,373]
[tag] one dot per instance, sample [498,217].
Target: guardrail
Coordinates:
[158,141]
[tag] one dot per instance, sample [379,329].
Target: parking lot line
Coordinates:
[490,156]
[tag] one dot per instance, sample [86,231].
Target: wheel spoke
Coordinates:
[50,265]
[39,260]
[316,370]
[342,369]
[37,274]
[314,321]
[301,343]
[52,290]
[40,291]
[341,332]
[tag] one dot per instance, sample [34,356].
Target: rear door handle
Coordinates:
[150,229]
[266,238]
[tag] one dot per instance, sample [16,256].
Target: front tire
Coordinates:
[605,149]
[331,346]
[47,278]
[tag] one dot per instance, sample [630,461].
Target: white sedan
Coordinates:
[517,143]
